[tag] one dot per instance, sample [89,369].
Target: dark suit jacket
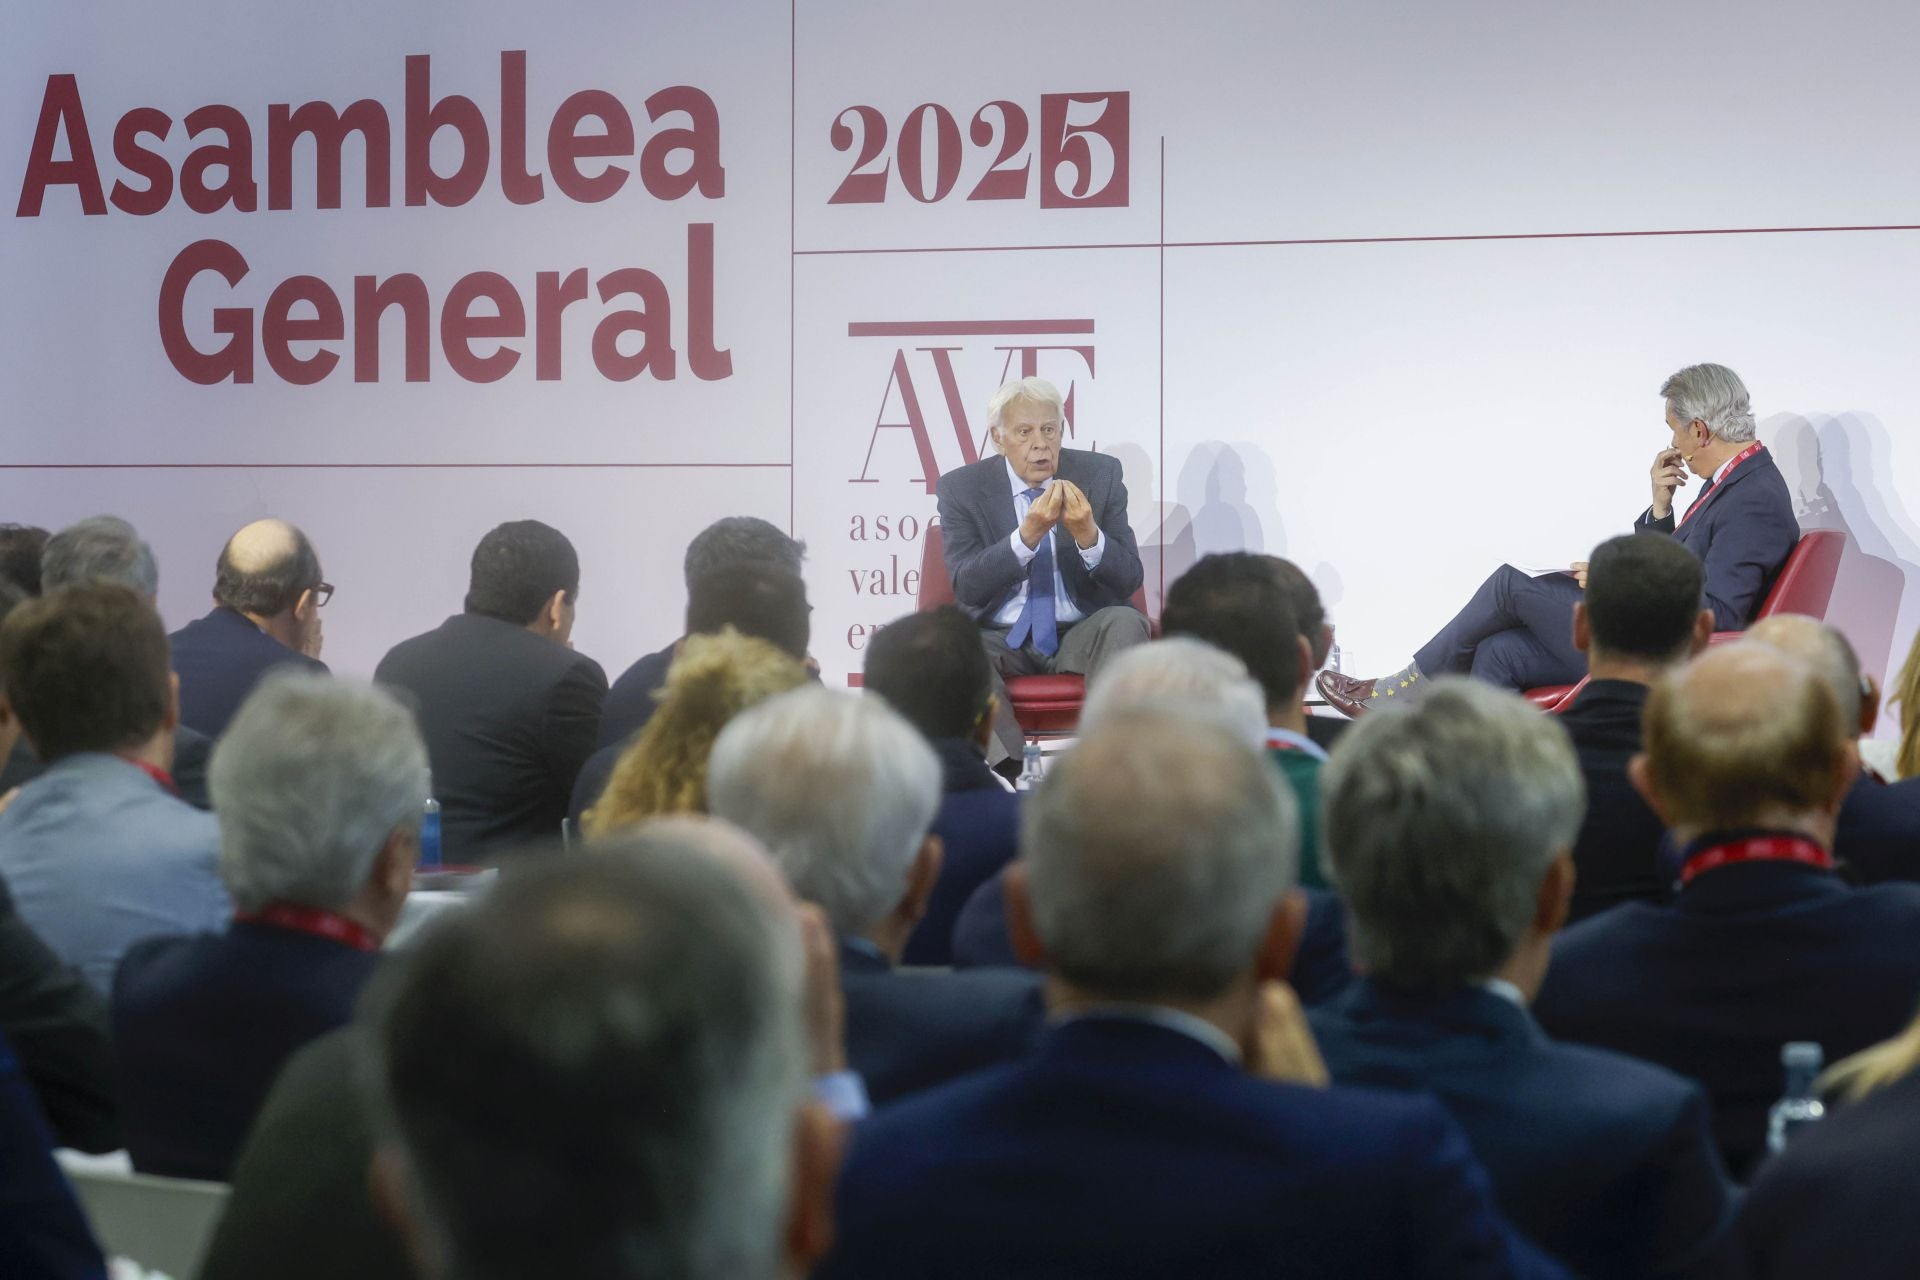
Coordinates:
[300,1208]
[1605,1162]
[1124,1149]
[56,1024]
[907,1031]
[1618,849]
[1742,536]
[1839,1200]
[1321,969]
[1748,957]
[979,829]
[630,702]
[976,519]
[203,1024]
[509,718]
[1879,834]
[219,658]
[43,1234]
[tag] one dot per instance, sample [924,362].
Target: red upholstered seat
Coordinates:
[1805,586]
[1042,704]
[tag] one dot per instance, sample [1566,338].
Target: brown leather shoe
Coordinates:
[1344,694]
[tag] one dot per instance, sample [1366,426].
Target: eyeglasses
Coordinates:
[322,594]
[1050,432]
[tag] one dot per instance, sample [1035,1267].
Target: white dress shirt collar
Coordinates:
[1175,1020]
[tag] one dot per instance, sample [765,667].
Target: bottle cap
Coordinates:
[1801,1053]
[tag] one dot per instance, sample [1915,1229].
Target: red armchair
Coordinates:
[1042,704]
[1805,585]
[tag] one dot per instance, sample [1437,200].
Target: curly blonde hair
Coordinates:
[713,679]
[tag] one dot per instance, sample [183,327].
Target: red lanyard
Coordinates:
[1277,743]
[1732,466]
[1757,849]
[159,775]
[313,920]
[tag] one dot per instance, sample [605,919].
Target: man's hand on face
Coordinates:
[1042,515]
[1668,473]
[1077,514]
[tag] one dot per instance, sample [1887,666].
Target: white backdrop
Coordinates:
[1385,288]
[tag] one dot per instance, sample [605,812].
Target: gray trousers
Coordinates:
[1085,646]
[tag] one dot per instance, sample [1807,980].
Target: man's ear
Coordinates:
[1869,705]
[1702,634]
[393,1204]
[304,607]
[983,727]
[1640,774]
[1017,902]
[555,614]
[393,865]
[1848,774]
[1555,902]
[819,1143]
[1305,662]
[922,875]
[172,720]
[1582,628]
[1284,929]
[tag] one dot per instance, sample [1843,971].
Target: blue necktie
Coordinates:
[1036,618]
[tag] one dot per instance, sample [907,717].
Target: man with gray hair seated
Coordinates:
[842,791]
[319,786]
[1450,826]
[1161,1128]
[600,1071]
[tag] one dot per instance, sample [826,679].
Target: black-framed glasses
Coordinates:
[322,594]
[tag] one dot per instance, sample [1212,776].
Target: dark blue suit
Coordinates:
[1320,971]
[908,1031]
[979,829]
[203,1024]
[630,701]
[1605,1162]
[1618,850]
[1517,631]
[1123,1149]
[219,658]
[1747,957]
[1879,834]
[43,1235]
[1839,1200]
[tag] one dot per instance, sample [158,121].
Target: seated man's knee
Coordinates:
[1502,658]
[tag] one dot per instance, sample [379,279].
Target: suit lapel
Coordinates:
[1717,495]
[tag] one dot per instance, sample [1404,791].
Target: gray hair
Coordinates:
[1713,394]
[640,1014]
[1825,650]
[1032,390]
[1182,671]
[100,548]
[309,781]
[1441,819]
[1156,852]
[838,787]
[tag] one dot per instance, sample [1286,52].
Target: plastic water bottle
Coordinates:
[430,834]
[1333,658]
[1031,768]
[1800,1105]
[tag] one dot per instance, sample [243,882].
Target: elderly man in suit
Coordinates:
[318,783]
[1449,826]
[1039,549]
[1165,1126]
[1517,630]
[1748,760]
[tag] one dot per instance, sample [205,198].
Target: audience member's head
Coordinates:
[86,670]
[1713,396]
[1236,601]
[1745,736]
[318,784]
[526,573]
[1449,830]
[11,597]
[1642,609]
[736,540]
[931,668]
[269,572]
[1180,673]
[755,598]
[21,548]
[712,680]
[600,1070]
[1832,658]
[1157,861]
[841,790]
[99,549]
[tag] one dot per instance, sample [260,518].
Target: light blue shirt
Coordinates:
[1064,609]
[98,856]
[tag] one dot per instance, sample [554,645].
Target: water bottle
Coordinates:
[1333,658]
[1800,1105]
[430,834]
[1031,767]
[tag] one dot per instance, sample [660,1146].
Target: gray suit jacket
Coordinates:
[976,518]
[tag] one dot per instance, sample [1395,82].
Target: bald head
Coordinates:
[1745,736]
[269,572]
[1831,657]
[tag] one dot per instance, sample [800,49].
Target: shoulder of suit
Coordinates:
[1088,460]
[975,472]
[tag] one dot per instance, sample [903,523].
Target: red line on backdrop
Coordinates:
[962,328]
[1311,240]
[388,466]
[793,242]
[1160,497]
